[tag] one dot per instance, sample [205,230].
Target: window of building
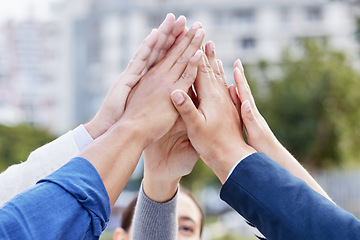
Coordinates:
[285,16]
[314,14]
[248,43]
[244,17]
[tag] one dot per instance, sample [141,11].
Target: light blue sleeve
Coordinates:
[71,203]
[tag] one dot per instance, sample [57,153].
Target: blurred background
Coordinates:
[58,59]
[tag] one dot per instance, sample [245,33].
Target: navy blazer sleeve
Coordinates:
[283,206]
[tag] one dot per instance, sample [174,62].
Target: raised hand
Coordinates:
[151,51]
[214,127]
[166,161]
[149,105]
[258,132]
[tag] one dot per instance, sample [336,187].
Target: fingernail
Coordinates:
[211,46]
[198,33]
[220,63]
[247,107]
[195,26]
[178,98]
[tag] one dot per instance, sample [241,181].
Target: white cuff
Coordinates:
[82,137]
[237,163]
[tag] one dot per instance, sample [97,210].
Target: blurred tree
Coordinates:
[17,142]
[200,177]
[313,107]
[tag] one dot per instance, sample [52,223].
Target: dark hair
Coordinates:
[128,214]
[129,210]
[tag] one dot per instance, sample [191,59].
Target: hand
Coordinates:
[259,134]
[149,106]
[166,161]
[151,51]
[213,128]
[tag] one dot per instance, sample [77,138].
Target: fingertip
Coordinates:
[220,64]
[170,16]
[210,47]
[181,18]
[237,71]
[177,97]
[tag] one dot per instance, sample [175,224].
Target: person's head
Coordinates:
[190,218]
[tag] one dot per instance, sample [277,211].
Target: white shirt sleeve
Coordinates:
[42,162]
[237,163]
[82,137]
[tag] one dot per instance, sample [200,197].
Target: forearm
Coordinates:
[39,164]
[115,155]
[285,159]
[70,203]
[283,206]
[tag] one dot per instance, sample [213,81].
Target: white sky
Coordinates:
[20,9]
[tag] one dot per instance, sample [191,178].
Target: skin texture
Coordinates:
[148,116]
[258,132]
[213,127]
[151,51]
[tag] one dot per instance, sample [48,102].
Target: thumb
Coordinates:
[185,106]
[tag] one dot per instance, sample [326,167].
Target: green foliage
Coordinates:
[313,108]
[200,177]
[17,142]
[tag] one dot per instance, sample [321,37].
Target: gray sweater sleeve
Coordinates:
[153,220]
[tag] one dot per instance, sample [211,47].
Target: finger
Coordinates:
[203,82]
[221,71]
[165,31]
[248,117]
[194,47]
[189,75]
[220,66]
[179,50]
[239,65]
[137,65]
[186,108]
[243,89]
[210,53]
[235,98]
[177,34]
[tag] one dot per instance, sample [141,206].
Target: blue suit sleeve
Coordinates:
[71,203]
[282,206]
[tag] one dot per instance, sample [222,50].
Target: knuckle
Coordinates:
[182,60]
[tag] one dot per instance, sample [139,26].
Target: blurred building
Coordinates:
[27,82]
[71,64]
[105,34]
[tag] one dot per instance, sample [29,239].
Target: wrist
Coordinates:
[96,128]
[223,163]
[160,190]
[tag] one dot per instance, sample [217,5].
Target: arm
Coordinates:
[39,164]
[52,156]
[283,206]
[259,133]
[154,220]
[114,155]
[276,202]
[73,194]
[166,161]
